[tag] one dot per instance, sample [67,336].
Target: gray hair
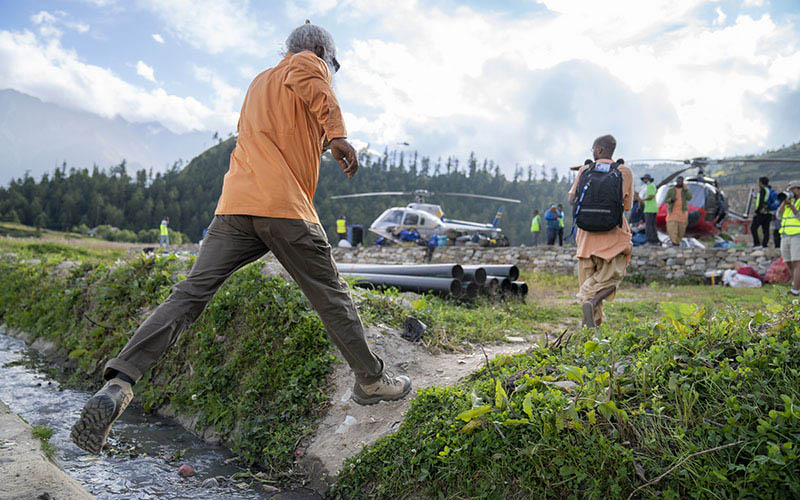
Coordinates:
[608,143]
[310,36]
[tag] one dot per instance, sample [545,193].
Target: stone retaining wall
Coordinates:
[669,262]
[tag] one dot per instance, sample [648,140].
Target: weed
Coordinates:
[43,434]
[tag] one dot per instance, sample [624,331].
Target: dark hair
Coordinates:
[764,181]
[608,143]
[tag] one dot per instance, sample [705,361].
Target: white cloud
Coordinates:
[101,3]
[47,23]
[300,10]
[145,71]
[158,38]
[45,69]
[721,16]
[215,26]
[227,98]
[460,80]
[753,3]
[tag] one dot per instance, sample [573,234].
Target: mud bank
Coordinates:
[25,471]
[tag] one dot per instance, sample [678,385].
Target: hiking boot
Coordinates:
[91,430]
[388,388]
[588,315]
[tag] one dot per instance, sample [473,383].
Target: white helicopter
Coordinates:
[421,220]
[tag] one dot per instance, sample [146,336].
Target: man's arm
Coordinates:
[687,192]
[308,78]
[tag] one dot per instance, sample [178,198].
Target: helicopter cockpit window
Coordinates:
[393,217]
[411,220]
[698,194]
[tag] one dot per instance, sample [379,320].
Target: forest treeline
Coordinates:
[72,197]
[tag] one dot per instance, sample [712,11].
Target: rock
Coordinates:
[186,470]
[210,483]
[567,385]
[64,268]
[269,488]
[514,339]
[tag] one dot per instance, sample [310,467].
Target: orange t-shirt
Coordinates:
[287,113]
[677,214]
[608,244]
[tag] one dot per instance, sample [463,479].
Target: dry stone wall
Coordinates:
[668,263]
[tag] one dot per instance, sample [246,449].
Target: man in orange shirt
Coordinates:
[677,201]
[290,114]
[603,256]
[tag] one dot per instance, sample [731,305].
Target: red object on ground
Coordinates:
[186,470]
[749,271]
[778,272]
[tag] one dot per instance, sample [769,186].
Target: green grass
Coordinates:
[43,434]
[54,251]
[712,397]
[454,326]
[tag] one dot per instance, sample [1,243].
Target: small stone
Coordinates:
[269,488]
[567,385]
[186,470]
[210,483]
[514,339]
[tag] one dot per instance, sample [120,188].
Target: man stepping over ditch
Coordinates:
[603,189]
[289,116]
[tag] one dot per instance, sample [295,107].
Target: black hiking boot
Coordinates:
[99,413]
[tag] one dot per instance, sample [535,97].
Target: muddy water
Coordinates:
[137,465]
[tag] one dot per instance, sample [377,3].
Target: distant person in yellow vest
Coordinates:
[789,212]
[536,227]
[677,201]
[341,228]
[560,208]
[164,239]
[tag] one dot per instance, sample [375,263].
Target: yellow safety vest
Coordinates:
[790,224]
[535,224]
[561,220]
[164,230]
[341,226]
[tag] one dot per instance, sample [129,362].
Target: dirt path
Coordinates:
[348,427]
[25,472]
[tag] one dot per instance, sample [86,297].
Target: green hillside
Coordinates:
[189,195]
[747,173]
[72,197]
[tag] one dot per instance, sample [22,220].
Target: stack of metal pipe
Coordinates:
[461,282]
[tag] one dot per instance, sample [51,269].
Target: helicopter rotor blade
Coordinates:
[645,160]
[765,160]
[380,193]
[673,175]
[466,195]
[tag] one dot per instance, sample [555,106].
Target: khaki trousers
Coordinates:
[676,230]
[595,274]
[231,242]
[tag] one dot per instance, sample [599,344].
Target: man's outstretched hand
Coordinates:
[345,154]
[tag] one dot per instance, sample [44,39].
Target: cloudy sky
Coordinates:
[521,81]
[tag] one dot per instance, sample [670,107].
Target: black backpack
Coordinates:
[599,198]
